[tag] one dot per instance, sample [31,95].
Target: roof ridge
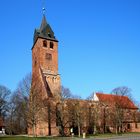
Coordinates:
[111,94]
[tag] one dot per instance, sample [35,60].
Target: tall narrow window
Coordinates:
[51,45]
[44,43]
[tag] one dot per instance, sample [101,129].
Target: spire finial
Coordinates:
[43,11]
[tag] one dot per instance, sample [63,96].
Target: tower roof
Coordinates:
[44,23]
[45,31]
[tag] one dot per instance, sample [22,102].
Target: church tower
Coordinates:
[45,88]
[45,58]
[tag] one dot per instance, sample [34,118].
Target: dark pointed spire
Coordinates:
[44,23]
[44,31]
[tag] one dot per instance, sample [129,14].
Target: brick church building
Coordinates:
[45,97]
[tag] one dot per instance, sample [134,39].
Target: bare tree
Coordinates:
[18,110]
[67,110]
[62,118]
[24,85]
[10,118]
[66,93]
[4,102]
[120,106]
[16,122]
[94,114]
[35,107]
[78,116]
[27,101]
[62,110]
[122,91]
[4,94]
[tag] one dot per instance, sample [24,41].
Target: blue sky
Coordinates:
[99,42]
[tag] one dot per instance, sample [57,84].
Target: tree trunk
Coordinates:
[116,129]
[79,130]
[34,135]
[95,129]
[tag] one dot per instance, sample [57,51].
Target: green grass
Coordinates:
[15,138]
[12,138]
[22,138]
[29,138]
[107,135]
[110,135]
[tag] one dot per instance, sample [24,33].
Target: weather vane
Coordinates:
[43,9]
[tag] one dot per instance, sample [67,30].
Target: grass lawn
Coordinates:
[15,138]
[29,138]
[112,135]
[22,138]
[66,138]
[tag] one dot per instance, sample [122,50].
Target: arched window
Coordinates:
[51,45]
[44,43]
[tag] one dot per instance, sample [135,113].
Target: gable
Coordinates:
[122,101]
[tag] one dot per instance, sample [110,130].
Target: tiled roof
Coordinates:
[122,101]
